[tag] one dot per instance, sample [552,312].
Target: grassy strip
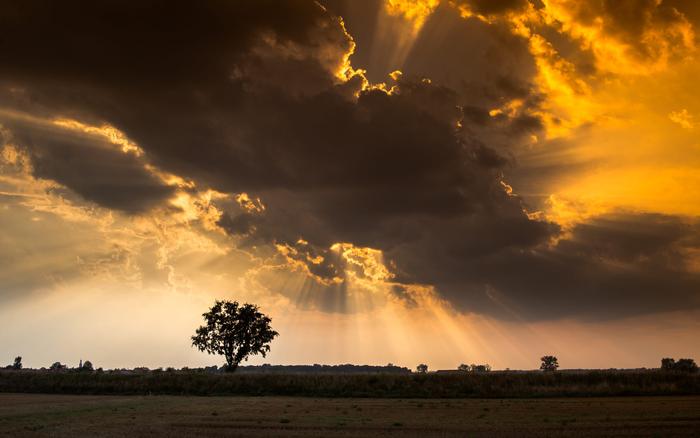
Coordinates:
[486,385]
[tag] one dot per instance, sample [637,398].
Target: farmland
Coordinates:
[170,416]
[586,383]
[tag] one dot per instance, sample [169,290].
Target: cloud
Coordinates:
[491,70]
[399,184]
[88,163]
[491,7]
[683,118]
[627,36]
[618,264]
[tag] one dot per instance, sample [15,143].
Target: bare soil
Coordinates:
[37,415]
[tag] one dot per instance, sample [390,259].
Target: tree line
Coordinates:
[238,332]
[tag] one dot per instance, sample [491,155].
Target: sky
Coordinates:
[416,181]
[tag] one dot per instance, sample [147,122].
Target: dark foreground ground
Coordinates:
[177,416]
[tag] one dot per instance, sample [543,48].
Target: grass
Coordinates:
[36,415]
[485,385]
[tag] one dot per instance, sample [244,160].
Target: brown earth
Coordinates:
[27,415]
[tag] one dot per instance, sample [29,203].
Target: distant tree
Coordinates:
[480,368]
[17,365]
[422,368]
[57,366]
[464,368]
[684,365]
[667,363]
[549,363]
[234,331]
[87,366]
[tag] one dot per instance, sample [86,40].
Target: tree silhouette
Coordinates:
[549,363]
[667,363]
[17,365]
[485,368]
[685,365]
[56,366]
[464,368]
[234,331]
[87,366]
[422,368]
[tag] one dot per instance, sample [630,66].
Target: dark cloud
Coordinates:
[493,7]
[90,165]
[622,264]
[569,48]
[245,97]
[149,45]
[633,22]
[364,21]
[689,8]
[490,68]
[155,68]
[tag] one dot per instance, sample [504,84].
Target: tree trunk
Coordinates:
[231,366]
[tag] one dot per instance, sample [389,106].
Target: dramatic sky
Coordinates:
[438,181]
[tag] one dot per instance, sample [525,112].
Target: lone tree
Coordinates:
[422,368]
[234,331]
[18,363]
[549,363]
[87,366]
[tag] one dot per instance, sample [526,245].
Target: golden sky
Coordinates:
[436,181]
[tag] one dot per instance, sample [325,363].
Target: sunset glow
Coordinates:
[437,181]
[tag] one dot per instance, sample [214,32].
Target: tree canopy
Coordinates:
[549,363]
[685,365]
[235,331]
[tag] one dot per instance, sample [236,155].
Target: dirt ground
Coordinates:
[171,416]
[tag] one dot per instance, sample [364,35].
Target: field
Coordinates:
[37,415]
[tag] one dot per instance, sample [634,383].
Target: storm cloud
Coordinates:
[257,97]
